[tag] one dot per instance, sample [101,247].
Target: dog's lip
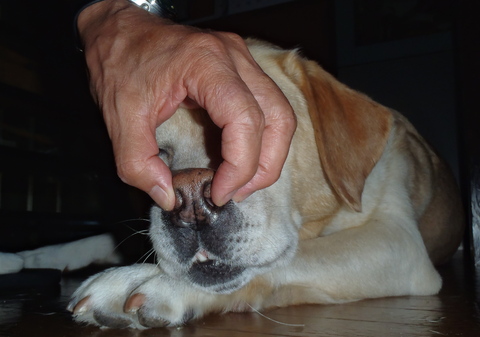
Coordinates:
[212,274]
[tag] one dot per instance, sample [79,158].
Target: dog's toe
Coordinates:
[84,311]
[102,300]
[146,317]
[150,319]
[111,320]
[172,306]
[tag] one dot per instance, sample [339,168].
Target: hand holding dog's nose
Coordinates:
[142,68]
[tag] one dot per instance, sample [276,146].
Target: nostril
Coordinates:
[207,194]
[178,199]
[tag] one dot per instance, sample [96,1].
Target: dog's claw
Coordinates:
[134,303]
[80,307]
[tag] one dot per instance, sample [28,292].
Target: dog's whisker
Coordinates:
[141,232]
[136,219]
[146,256]
[273,320]
[133,220]
[158,261]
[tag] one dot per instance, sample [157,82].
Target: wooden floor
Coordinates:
[454,312]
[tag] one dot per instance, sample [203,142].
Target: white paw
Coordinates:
[10,263]
[138,296]
[100,248]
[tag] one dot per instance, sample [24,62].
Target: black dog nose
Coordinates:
[193,204]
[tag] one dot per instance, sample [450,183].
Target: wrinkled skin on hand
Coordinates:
[142,68]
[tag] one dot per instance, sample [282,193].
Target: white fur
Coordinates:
[65,256]
[10,263]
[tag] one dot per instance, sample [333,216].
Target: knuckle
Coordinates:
[286,119]
[268,180]
[129,171]
[237,105]
[248,126]
[290,121]
[251,116]
[234,38]
[206,41]
[220,45]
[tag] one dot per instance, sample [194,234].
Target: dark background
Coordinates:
[57,176]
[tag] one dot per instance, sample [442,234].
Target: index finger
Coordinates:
[236,111]
[280,125]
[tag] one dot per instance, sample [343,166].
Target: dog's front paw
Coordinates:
[100,300]
[138,296]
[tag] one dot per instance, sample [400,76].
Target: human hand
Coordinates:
[142,68]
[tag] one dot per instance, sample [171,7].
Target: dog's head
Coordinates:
[216,248]
[340,136]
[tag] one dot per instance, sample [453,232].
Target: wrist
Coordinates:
[91,15]
[96,14]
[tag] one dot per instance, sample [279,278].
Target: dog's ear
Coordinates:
[351,130]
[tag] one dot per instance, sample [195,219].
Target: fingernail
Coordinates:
[162,198]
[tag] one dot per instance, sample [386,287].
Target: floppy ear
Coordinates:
[351,130]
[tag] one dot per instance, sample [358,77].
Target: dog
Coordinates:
[364,208]
[97,249]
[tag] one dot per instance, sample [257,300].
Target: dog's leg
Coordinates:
[380,258]
[10,263]
[65,256]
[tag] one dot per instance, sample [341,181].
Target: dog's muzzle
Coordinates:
[200,232]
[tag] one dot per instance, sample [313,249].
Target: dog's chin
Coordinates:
[217,277]
[222,277]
